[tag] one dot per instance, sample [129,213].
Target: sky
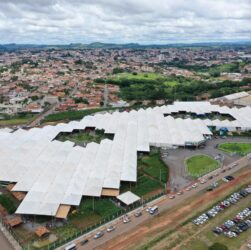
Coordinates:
[124,21]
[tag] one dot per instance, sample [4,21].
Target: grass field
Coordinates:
[146,76]
[72,115]
[239,148]
[92,211]
[150,76]
[200,165]
[83,138]
[20,119]
[155,167]
[149,183]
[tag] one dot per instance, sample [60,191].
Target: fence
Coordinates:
[18,244]
[104,221]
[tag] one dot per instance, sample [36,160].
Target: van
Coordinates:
[71,247]
[154,210]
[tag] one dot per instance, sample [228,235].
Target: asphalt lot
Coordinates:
[175,160]
[163,203]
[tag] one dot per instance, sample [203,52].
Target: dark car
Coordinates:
[83,242]
[243,193]
[229,177]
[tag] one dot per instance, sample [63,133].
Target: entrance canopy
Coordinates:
[128,198]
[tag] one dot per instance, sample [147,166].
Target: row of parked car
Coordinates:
[240,223]
[126,219]
[234,198]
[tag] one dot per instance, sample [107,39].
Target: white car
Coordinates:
[148,209]
[110,229]
[126,220]
[98,235]
[195,185]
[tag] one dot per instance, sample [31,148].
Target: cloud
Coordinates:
[144,21]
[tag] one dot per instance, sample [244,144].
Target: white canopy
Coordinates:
[128,198]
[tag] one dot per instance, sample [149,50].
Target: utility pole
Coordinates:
[106,93]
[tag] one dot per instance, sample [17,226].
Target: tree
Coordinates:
[218,246]
[117,70]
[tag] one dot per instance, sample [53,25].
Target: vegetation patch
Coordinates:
[72,115]
[200,165]
[152,175]
[155,167]
[8,203]
[82,138]
[18,119]
[236,147]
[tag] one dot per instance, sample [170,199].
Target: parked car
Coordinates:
[110,229]
[126,219]
[83,242]
[138,214]
[98,235]
[148,209]
[195,185]
[154,210]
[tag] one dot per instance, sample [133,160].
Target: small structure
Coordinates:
[63,211]
[42,232]
[3,211]
[13,220]
[18,195]
[128,198]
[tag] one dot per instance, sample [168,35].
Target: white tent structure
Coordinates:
[55,173]
[128,198]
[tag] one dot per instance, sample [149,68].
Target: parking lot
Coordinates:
[221,206]
[175,158]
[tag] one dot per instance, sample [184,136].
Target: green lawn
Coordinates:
[239,148]
[145,185]
[72,115]
[155,167]
[150,76]
[150,168]
[170,83]
[19,119]
[84,137]
[200,165]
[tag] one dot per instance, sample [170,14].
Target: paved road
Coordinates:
[163,203]
[176,157]
[41,116]
[4,243]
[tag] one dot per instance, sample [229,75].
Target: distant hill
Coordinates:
[97,45]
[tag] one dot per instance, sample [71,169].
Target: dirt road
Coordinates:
[171,220]
[127,235]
